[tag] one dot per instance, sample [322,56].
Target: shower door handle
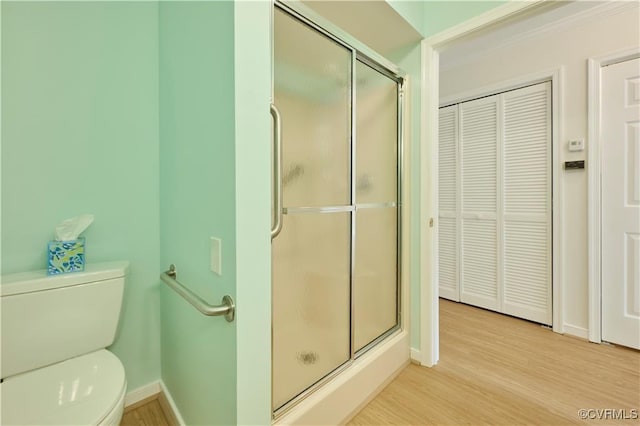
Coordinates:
[276,227]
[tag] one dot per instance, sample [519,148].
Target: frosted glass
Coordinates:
[377,136]
[311,306]
[375,286]
[313,94]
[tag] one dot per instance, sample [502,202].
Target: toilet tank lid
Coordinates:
[28,282]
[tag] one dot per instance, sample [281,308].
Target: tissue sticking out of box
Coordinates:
[71,229]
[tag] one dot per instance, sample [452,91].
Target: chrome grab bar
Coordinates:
[277,171]
[227,308]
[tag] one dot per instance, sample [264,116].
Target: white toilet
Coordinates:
[55,368]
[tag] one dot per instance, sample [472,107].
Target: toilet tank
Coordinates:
[48,319]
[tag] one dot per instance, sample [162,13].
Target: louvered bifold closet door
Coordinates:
[527,203]
[448,204]
[479,201]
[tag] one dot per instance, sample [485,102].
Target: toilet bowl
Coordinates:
[86,390]
[55,368]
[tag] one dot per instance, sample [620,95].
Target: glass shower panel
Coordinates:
[311,257]
[311,301]
[312,78]
[375,292]
[377,136]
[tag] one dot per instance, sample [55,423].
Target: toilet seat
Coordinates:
[86,390]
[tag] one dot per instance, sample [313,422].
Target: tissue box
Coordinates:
[65,256]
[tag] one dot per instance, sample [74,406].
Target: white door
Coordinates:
[526,203]
[479,132]
[494,237]
[620,135]
[448,181]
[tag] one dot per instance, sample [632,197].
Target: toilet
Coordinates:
[55,367]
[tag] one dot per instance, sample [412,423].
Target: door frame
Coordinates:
[594,170]
[431,47]
[555,77]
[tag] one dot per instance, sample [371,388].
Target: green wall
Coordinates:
[440,15]
[80,135]
[412,11]
[153,116]
[429,17]
[253,210]
[409,59]
[197,187]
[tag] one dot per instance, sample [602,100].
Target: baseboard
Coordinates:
[342,398]
[416,357]
[169,407]
[142,395]
[573,330]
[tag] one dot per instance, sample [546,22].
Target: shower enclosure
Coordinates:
[336,216]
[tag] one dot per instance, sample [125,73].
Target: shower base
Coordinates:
[346,394]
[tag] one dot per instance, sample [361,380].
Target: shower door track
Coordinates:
[359,52]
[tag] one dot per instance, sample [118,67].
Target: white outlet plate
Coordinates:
[216,255]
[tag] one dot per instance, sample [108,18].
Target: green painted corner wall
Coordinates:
[429,17]
[80,135]
[197,188]
[412,11]
[126,110]
[440,15]
[409,59]
[252,78]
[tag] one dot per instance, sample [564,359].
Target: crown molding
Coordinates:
[450,35]
[600,11]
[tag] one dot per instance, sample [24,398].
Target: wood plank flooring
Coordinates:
[145,414]
[496,370]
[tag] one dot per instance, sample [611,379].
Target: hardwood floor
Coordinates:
[147,413]
[496,370]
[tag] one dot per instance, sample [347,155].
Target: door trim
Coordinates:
[431,47]
[594,166]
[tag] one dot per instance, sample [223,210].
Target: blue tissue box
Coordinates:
[65,256]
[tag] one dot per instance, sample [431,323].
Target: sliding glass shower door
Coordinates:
[375,292]
[311,256]
[335,261]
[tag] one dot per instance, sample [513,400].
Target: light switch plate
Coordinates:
[216,255]
[576,145]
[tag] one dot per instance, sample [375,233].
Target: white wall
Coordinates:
[568,47]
